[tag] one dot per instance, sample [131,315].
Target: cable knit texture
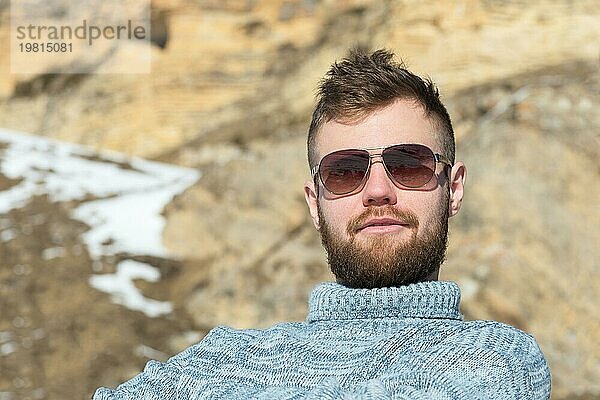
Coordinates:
[405,342]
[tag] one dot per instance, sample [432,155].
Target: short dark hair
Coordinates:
[361,83]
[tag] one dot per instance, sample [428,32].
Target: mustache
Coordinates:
[405,216]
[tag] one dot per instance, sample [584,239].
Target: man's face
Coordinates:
[383,235]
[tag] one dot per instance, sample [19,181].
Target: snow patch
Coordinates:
[122,290]
[128,195]
[7,235]
[8,348]
[53,252]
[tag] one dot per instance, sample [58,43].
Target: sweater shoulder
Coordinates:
[496,329]
[517,347]
[500,337]
[231,335]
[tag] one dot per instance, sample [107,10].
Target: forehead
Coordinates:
[401,122]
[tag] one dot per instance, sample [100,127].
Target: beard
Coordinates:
[381,261]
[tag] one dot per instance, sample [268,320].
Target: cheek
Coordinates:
[335,217]
[429,213]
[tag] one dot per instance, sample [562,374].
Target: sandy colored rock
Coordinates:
[220,61]
[230,94]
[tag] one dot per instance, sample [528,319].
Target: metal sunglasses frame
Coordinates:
[438,158]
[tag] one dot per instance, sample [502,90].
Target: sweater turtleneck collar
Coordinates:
[435,299]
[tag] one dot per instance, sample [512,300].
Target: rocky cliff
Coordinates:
[230,94]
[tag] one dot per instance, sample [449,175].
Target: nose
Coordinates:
[379,189]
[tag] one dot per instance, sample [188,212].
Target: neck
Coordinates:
[434,276]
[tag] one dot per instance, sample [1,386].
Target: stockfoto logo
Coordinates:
[92,36]
[83,31]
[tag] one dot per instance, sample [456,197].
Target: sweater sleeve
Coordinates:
[158,381]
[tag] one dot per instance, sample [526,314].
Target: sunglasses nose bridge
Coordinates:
[374,159]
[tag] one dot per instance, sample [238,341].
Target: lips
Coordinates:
[381,222]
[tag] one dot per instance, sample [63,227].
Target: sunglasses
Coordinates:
[408,166]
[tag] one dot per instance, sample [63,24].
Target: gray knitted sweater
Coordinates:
[407,342]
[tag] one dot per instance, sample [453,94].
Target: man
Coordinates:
[384,183]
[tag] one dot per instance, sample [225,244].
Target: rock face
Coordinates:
[222,61]
[230,93]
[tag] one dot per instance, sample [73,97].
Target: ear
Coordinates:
[311,200]
[458,177]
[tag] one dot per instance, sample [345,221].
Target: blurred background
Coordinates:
[185,208]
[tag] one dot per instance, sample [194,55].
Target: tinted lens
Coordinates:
[411,165]
[343,171]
